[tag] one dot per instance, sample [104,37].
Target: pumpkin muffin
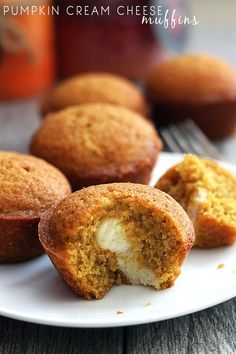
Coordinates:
[28,187]
[95,88]
[98,143]
[117,233]
[197,87]
[207,192]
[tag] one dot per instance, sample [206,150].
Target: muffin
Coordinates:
[94,88]
[198,87]
[28,187]
[117,233]
[98,143]
[207,192]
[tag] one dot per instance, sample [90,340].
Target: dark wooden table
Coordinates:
[209,331]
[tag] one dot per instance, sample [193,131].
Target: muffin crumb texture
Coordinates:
[117,234]
[221,265]
[208,194]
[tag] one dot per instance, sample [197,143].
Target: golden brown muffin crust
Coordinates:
[95,88]
[28,185]
[158,227]
[19,238]
[97,142]
[78,209]
[193,78]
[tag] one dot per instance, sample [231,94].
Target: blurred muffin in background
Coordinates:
[198,87]
[95,88]
[98,143]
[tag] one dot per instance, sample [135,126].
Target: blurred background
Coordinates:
[37,51]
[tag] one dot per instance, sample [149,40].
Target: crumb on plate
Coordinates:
[220,266]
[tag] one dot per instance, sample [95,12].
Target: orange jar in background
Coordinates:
[26,51]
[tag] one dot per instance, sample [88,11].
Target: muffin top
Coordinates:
[96,140]
[28,185]
[94,88]
[192,78]
[83,205]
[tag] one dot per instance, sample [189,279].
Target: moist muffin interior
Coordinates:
[204,189]
[124,246]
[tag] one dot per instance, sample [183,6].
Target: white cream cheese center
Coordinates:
[199,197]
[111,236]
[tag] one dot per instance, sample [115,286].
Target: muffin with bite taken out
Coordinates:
[114,234]
[207,192]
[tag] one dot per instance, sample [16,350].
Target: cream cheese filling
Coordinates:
[197,200]
[111,236]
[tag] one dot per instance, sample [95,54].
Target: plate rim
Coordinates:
[113,324]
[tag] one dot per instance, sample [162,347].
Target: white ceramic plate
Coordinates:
[34,292]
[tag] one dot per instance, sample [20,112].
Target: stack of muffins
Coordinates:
[96,139]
